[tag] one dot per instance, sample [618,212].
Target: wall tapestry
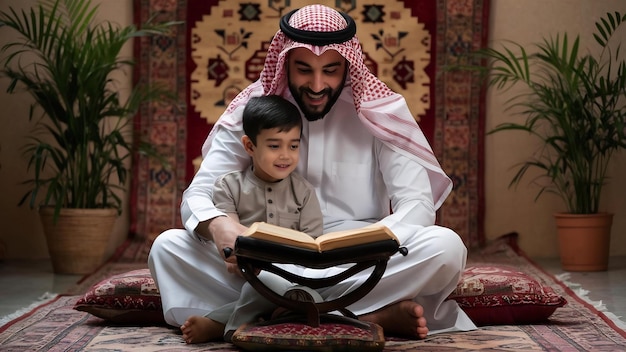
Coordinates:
[220,49]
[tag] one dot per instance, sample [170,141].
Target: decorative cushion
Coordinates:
[128,298]
[328,336]
[489,294]
[502,295]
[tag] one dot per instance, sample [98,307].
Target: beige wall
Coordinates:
[506,209]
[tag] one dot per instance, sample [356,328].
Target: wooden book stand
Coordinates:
[254,254]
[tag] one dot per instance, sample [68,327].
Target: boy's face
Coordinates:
[276,154]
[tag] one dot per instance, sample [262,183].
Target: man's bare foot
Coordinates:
[197,329]
[404,318]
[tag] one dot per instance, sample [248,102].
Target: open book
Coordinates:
[325,242]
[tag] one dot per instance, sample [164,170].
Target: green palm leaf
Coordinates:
[81,148]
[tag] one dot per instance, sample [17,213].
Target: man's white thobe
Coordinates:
[357,178]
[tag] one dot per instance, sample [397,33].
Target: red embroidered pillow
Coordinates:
[502,295]
[128,298]
[328,336]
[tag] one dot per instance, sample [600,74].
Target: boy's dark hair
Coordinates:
[269,111]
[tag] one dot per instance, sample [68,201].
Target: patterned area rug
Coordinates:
[56,326]
[221,48]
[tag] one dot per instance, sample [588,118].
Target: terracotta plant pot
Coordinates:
[78,241]
[584,241]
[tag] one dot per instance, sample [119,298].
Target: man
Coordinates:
[362,151]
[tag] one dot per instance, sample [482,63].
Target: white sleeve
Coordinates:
[225,154]
[408,188]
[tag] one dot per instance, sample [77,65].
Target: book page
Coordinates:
[346,238]
[282,235]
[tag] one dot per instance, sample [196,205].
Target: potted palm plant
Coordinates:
[574,103]
[79,152]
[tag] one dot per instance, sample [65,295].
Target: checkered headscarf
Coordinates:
[383,111]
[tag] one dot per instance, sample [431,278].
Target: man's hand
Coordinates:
[223,231]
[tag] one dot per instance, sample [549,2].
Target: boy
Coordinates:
[267,191]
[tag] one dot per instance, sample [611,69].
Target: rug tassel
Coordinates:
[44,298]
[584,295]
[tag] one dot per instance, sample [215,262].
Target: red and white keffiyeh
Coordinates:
[382,110]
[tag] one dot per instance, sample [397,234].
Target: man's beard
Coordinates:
[311,115]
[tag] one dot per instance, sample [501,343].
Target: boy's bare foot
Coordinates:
[197,329]
[404,318]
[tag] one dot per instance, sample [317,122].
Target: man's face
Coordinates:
[316,81]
